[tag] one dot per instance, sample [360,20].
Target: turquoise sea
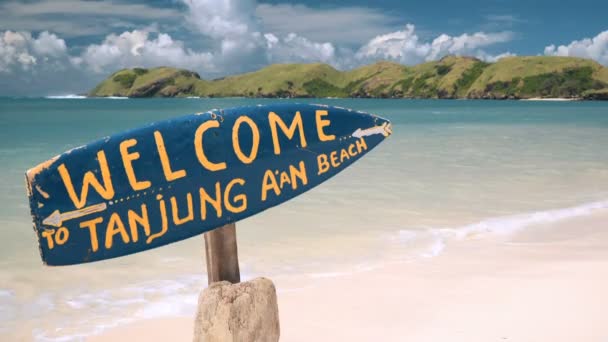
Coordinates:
[451,168]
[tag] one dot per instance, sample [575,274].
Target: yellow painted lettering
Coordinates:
[239,200]
[351,150]
[298,174]
[284,178]
[170,175]
[136,219]
[322,163]
[334,159]
[344,155]
[175,211]
[163,220]
[92,225]
[269,182]
[127,160]
[48,234]
[106,191]
[255,143]
[321,123]
[115,226]
[216,202]
[289,132]
[62,235]
[198,146]
[361,145]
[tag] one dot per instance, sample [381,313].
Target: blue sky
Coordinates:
[66,46]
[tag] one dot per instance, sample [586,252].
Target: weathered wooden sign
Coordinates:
[174,179]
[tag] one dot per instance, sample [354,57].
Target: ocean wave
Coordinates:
[63,97]
[115,97]
[431,242]
[116,307]
[515,223]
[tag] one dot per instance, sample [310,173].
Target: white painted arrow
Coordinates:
[385,130]
[57,218]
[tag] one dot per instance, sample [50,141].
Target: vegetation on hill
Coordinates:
[450,77]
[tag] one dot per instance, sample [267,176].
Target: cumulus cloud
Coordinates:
[222,18]
[492,58]
[37,64]
[22,51]
[400,45]
[240,41]
[294,48]
[139,48]
[406,47]
[595,48]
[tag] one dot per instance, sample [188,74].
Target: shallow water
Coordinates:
[450,168]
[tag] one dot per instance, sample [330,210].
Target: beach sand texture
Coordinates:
[545,284]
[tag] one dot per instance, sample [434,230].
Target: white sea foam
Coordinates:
[511,224]
[433,241]
[177,296]
[69,96]
[434,249]
[115,97]
[114,307]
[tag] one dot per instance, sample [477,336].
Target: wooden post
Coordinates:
[221,254]
[228,311]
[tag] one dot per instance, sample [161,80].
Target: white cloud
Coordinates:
[400,45]
[406,47]
[294,48]
[49,44]
[22,51]
[221,18]
[139,48]
[241,44]
[37,64]
[465,43]
[594,48]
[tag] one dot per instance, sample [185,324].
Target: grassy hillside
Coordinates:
[450,77]
[278,80]
[139,82]
[524,77]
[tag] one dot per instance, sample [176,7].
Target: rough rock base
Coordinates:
[245,311]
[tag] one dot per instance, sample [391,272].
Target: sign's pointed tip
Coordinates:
[53,220]
[388,129]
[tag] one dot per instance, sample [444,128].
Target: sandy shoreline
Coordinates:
[546,283]
[551,99]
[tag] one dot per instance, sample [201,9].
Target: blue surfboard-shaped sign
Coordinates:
[174,179]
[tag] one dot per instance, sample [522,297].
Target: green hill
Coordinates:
[139,82]
[450,77]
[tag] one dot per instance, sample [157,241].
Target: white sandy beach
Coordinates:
[551,99]
[546,283]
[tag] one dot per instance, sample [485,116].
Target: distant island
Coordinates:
[451,77]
